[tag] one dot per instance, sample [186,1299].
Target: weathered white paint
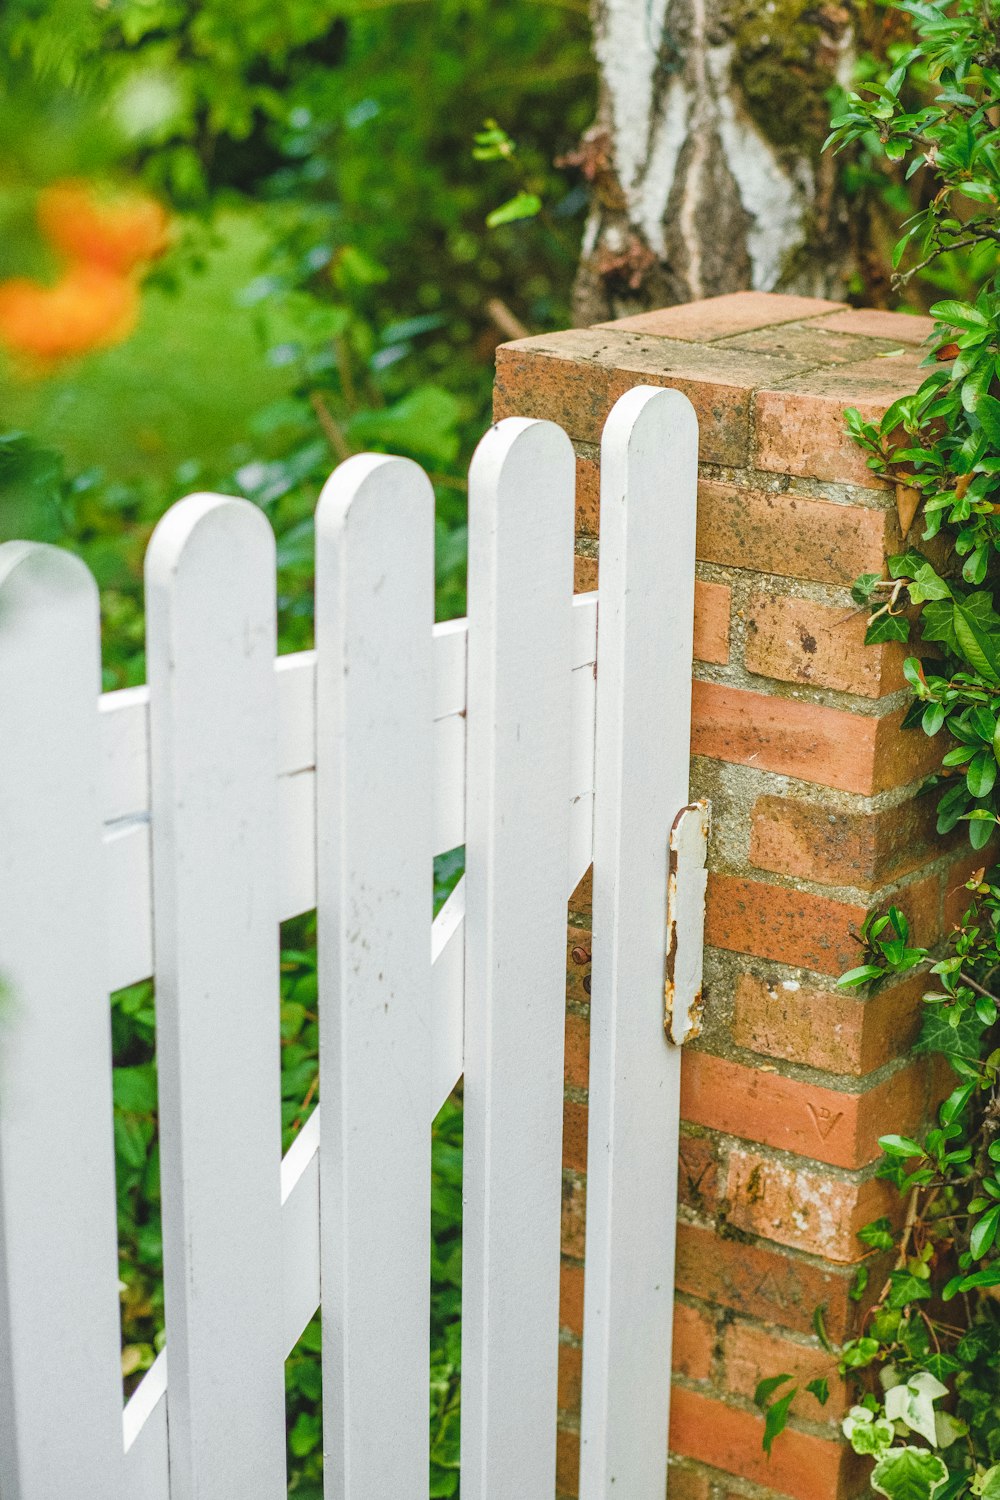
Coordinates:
[247,759]
[210,606]
[687,885]
[521,504]
[374,746]
[60,1380]
[648,489]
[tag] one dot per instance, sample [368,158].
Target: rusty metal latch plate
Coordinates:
[686,884]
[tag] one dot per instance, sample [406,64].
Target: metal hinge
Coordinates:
[686,885]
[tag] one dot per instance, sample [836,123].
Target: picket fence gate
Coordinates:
[164,831]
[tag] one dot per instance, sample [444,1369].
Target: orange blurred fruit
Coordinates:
[89,307]
[117,233]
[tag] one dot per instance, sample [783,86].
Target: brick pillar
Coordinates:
[815,823]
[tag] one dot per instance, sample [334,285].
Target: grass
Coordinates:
[182,387]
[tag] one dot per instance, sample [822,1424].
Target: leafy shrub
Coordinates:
[928,1360]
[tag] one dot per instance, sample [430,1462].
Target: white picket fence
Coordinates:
[164,831]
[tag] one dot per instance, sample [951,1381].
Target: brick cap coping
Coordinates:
[769,376]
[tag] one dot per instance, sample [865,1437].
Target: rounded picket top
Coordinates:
[228,530]
[517,454]
[47,583]
[653,419]
[210,650]
[373,490]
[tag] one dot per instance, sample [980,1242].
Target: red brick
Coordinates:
[920,901]
[717,317]
[828,1125]
[577,1049]
[571,1298]
[760,1281]
[694,1342]
[792,535]
[729,1438]
[582,899]
[850,752]
[874,322]
[832,1030]
[574,378]
[751,1353]
[811,340]
[686,1482]
[570,1377]
[797,640]
[801,1206]
[698,1173]
[567,1463]
[588,496]
[794,927]
[584,574]
[800,427]
[796,836]
[712,602]
[574,1136]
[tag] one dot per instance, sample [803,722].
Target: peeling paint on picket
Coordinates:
[165,831]
[687,884]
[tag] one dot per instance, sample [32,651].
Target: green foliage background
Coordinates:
[327,291]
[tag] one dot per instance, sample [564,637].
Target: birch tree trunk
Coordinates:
[705,157]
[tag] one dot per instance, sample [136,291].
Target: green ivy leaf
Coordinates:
[865,586]
[867,1434]
[984,1232]
[988,1485]
[767,1387]
[857,1354]
[521,206]
[902,1146]
[908,1474]
[886,627]
[878,1234]
[906,1288]
[988,414]
[958,315]
[977,633]
[982,773]
[776,1419]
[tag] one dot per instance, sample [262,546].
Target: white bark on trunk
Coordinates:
[691,198]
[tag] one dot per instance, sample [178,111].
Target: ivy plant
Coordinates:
[925,1365]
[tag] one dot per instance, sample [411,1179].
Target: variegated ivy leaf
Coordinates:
[912,1404]
[987,1485]
[867,1434]
[909,1474]
[948,1430]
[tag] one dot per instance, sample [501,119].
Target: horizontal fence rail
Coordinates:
[168,833]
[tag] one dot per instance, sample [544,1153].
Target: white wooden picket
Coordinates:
[374,612]
[60,1392]
[165,831]
[521,503]
[649,477]
[211,641]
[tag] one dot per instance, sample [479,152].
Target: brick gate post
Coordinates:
[796,740]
